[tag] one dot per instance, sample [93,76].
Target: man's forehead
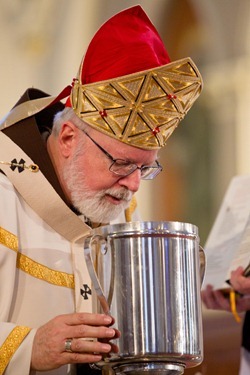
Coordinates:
[131,153]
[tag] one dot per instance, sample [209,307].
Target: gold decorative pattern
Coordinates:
[11,344]
[33,268]
[8,239]
[44,273]
[141,109]
[131,209]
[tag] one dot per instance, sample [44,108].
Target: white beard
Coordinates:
[93,204]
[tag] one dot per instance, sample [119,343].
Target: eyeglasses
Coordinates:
[124,168]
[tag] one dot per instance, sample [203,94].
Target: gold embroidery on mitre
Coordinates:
[44,273]
[11,344]
[131,209]
[141,109]
[8,239]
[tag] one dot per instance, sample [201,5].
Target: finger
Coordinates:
[214,299]
[87,318]
[81,358]
[114,348]
[90,346]
[221,301]
[116,336]
[205,295]
[86,331]
[236,278]
[208,297]
[239,282]
[85,351]
[239,271]
[86,325]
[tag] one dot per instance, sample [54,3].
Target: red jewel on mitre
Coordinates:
[171,96]
[156,130]
[103,113]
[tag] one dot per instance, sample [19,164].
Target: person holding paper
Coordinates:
[216,299]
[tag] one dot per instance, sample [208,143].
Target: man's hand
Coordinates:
[215,299]
[83,328]
[219,300]
[239,282]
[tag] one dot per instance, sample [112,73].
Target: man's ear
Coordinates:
[67,138]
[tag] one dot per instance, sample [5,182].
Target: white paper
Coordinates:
[228,244]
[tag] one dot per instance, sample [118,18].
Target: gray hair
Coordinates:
[67,114]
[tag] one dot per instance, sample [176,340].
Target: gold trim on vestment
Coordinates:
[11,344]
[131,209]
[27,265]
[44,273]
[8,239]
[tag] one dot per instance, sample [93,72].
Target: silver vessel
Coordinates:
[147,275]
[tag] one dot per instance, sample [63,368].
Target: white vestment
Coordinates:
[42,275]
[42,266]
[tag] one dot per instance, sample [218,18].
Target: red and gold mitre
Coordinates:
[126,86]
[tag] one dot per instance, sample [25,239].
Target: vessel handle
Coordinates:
[202,263]
[93,275]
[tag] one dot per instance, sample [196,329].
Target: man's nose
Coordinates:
[132,181]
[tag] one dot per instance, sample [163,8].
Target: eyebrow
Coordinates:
[129,161]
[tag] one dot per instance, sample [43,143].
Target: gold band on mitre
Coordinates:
[141,109]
